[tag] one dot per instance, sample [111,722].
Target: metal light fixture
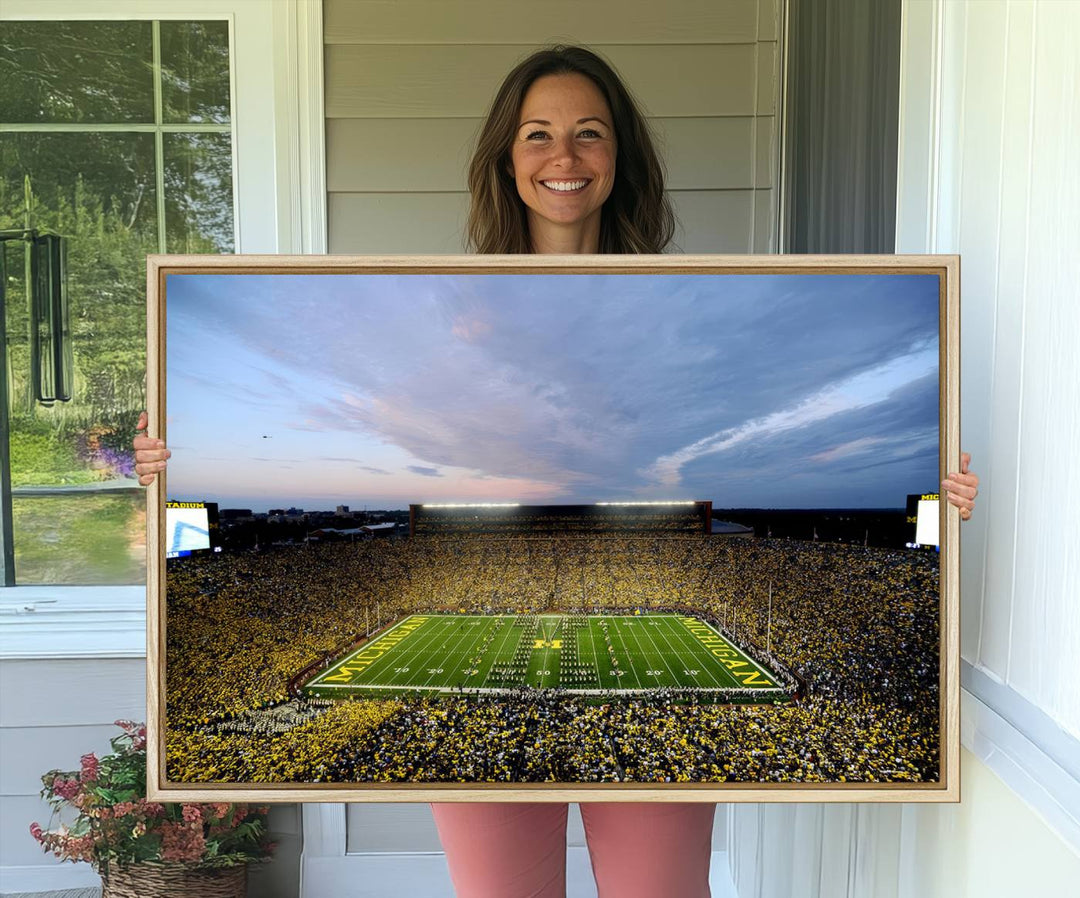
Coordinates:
[51,359]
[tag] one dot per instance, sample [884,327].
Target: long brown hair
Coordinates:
[637,216]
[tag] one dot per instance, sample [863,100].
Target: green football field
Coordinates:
[587,654]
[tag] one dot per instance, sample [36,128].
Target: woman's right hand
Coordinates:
[150,454]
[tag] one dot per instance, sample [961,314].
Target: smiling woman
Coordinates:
[563,162]
[563,116]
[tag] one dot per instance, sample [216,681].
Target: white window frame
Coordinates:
[279,198]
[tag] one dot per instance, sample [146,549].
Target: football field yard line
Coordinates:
[642,631]
[428,660]
[595,656]
[629,660]
[672,670]
[422,653]
[597,633]
[692,648]
[631,626]
[726,679]
[400,656]
[509,628]
[596,663]
[462,655]
[684,659]
[673,663]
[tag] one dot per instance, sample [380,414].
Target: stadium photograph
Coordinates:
[551,528]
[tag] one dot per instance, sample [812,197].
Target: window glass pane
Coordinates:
[82,539]
[198,193]
[97,190]
[195,71]
[76,72]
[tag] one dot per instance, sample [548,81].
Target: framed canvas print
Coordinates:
[553,528]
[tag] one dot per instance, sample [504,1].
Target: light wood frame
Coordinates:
[946,267]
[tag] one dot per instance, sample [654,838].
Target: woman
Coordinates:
[565,164]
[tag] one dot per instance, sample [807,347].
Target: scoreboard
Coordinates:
[190,528]
[923,520]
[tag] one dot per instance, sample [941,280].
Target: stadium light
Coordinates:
[472,505]
[666,502]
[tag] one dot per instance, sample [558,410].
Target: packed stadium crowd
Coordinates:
[859,626]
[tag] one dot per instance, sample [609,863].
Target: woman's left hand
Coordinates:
[962,487]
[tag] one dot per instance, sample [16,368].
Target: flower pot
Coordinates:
[167,880]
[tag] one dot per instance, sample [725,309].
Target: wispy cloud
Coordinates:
[845,450]
[863,389]
[424,472]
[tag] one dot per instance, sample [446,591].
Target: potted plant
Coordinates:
[143,848]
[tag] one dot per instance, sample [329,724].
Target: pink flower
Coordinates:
[36,831]
[219,808]
[89,768]
[192,814]
[65,788]
[80,848]
[123,808]
[181,842]
[150,808]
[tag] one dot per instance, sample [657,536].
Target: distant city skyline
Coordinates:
[781,391]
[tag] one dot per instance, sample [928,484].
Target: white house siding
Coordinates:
[408,83]
[53,711]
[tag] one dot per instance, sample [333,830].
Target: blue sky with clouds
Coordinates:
[791,391]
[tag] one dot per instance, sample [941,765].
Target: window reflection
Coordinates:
[78,511]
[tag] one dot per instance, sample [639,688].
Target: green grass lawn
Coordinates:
[587,654]
[80,539]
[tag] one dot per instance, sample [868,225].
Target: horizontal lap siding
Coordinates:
[460,81]
[432,155]
[519,22]
[408,83]
[53,712]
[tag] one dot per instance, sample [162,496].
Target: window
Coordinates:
[118,136]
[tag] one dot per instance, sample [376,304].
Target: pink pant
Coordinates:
[518,850]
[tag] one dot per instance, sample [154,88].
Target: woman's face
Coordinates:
[563,155]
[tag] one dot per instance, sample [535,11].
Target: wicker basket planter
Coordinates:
[147,880]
